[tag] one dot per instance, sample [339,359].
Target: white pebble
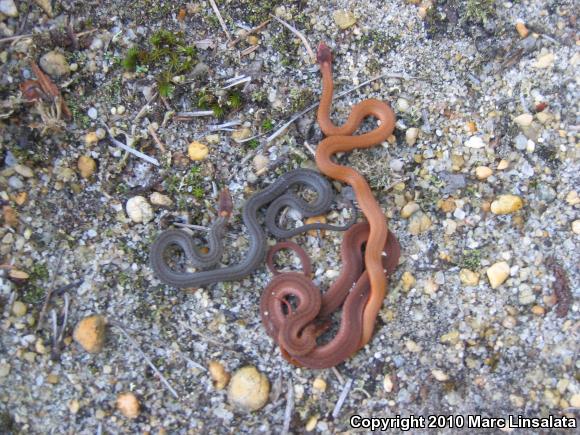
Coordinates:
[475,142]
[139,210]
[93,113]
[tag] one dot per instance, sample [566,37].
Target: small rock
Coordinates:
[575,400]
[219,375]
[419,223]
[502,165]
[8,8]
[46,6]
[388,383]
[261,163]
[241,134]
[409,209]
[212,139]
[468,277]
[402,105]
[576,226]
[4,369]
[452,337]
[160,200]
[139,210]
[475,142]
[411,136]
[248,389]
[18,275]
[447,205]
[16,183]
[544,61]
[396,165]
[498,273]
[52,378]
[319,385]
[440,375]
[91,138]
[90,333]
[315,220]
[19,309]
[506,204]
[412,346]
[344,19]
[524,120]
[197,151]
[54,64]
[538,310]
[408,281]
[87,166]
[253,40]
[483,172]
[100,133]
[544,117]
[25,171]
[430,287]
[311,423]
[92,113]
[572,198]
[522,29]
[128,405]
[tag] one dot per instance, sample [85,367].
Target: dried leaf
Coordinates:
[561,288]
[50,88]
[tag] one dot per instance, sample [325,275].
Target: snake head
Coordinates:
[225,203]
[323,54]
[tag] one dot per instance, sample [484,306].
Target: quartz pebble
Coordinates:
[160,200]
[524,120]
[522,29]
[19,308]
[92,113]
[411,136]
[319,385]
[440,375]
[8,8]
[241,134]
[218,374]
[90,333]
[468,277]
[25,171]
[344,19]
[87,166]
[419,223]
[139,210]
[91,138]
[248,389]
[54,64]
[409,209]
[483,172]
[545,60]
[388,384]
[506,204]
[128,405]
[475,142]
[576,226]
[261,163]
[197,151]
[408,281]
[498,273]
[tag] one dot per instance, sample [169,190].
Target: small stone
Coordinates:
[544,61]
[19,308]
[18,274]
[20,198]
[430,287]
[25,171]
[241,134]
[197,151]
[90,333]
[253,40]
[87,166]
[452,337]
[92,113]
[576,226]
[498,273]
[139,210]
[522,29]
[74,406]
[468,277]
[46,6]
[572,198]
[128,405]
[447,205]
[344,19]
[91,138]
[16,183]
[544,117]
[409,209]
[261,163]
[121,110]
[412,346]
[402,105]
[52,379]
[212,139]
[408,281]
[538,310]
[575,400]
[502,165]
[4,369]
[509,322]
[524,120]
[411,136]
[483,172]
[315,220]
[396,165]
[506,204]
[8,8]
[419,223]
[388,383]
[54,64]
[248,389]
[219,375]
[160,200]
[319,385]
[440,375]
[311,423]
[475,142]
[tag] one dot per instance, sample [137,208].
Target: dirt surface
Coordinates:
[479,183]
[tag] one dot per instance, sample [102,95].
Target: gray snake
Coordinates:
[278,196]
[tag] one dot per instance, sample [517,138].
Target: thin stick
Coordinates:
[300,35]
[15,38]
[239,81]
[220,19]
[146,358]
[49,293]
[250,32]
[145,108]
[338,375]
[342,398]
[156,139]
[249,50]
[65,320]
[309,148]
[289,408]
[194,114]
[133,151]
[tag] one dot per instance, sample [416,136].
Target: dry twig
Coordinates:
[156,139]
[341,398]
[250,32]
[220,19]
[289,408]
[300,35]
[49,293]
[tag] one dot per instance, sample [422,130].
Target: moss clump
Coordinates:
[36,284]
[479,11]
[267,125]
[471,259]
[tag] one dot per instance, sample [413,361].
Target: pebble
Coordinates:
[90,333]
[319,385]
[212,139]
[545,60]
[128,405]
[25,171]
[419,223]
[91,138]
[440,375]
[475,142]
[408,281]
[87,166]
[522,29]
[502,165]
[8,8]
[311,423]
[447,205]
[54,64]
[160,200]
[248,389]
[468,277]
[396,165]
[409,209]
[483,172]
[139,210]
[572,198]
[218,374]
[576,226]
[412,346]
[498,273]
[46,6]
[19,308]
[92,113]
[261,163]
[240,134]
[524,120]
[575,400]
[74,406]
[538,310]
[197,151]
[544,117]
[344,19]
[411,135]
[403,105]
[100,133]
[388,384]
[506,204]
[521,142]
[15,182]
[316,220]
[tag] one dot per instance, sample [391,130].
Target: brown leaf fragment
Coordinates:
[48,86]
[561,288]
